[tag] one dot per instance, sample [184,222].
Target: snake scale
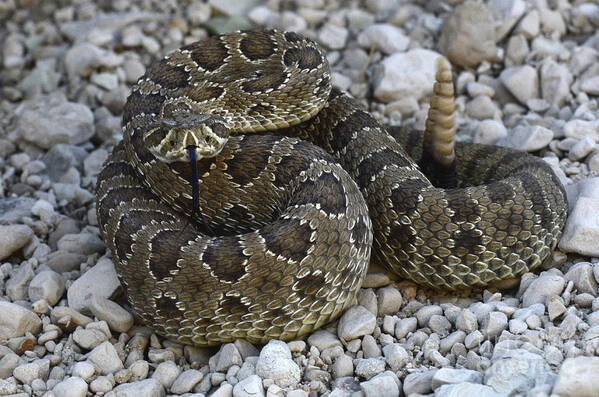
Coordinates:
[296,184]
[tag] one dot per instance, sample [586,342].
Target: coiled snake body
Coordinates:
[281,240]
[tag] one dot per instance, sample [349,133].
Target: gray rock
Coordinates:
[506,15]
[489,132]
[369,347]
[556,80]
[225,390]
[419,382]
[456,337]
[473,339]
[16,286]
[248,387]
[101,280]
[186,381]
[521,81]
[581,229]
[482,107]
[9,362]
[518,371]
[577,377]
[275,363]
[405,326]
[323,339]
[367,298]
[493,324]
[79,30]
[144,388]
[528,138]
[380,385]
[13,209]
[13,238]
[83,370]
[357,321]
[386,37]
[545,285]
[93,163]
[466,321]
[579,129]
[395,356]
[61,158]
[27,373]
[409,74]
[343,366]
[8,386]
[389,300]
[333,36]
[581,149]
[466,389]
[530,25]
[369,367]
[468,35]
[105,357]
[582,276]
[71,387]
[16,321]
[425,313]
[118,319]
[229,356]
[166,373]
[47,285]
[81,243]
[446,376]
[50,120]
[439,325]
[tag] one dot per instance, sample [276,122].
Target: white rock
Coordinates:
[552,21]
[590,85]
[380,385]
[343,366]
[27,373]
[581,232]
[482,107]
[556,80]
[466,389]
[101,280]
[395,356]
[166,372]
[530,25]
[406,74]
[16,321]
[521,81]
[186,381]
[83,370]
[275,363]
[445,376]
[468,35]
[388,38]
[577,377]
[71,387]
[418,382]
[105,357]
[50,120]
[527,138]
[333,36]
[580,129]
[47,285]
[81,243]
[119,319]
[13,238]
[225,390]
[507,12]
[489,131]
[356,322]
[581,149]
[144,388]
[518,371]
[249,387]
[369,367]
[547,284]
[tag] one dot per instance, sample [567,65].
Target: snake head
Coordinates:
[183,128]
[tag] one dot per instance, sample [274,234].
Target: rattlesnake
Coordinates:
[281,230]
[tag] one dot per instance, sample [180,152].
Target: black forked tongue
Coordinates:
[195,187]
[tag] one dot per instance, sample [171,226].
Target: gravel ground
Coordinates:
[527,76]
